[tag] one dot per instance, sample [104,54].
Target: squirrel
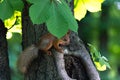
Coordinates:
[45,43]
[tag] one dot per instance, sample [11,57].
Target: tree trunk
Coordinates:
[78,63]
[4,62]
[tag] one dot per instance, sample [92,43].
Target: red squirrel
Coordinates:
[48,40]
[45,43]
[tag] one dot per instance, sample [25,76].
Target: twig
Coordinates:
[14,23]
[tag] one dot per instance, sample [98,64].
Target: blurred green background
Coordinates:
[101,29]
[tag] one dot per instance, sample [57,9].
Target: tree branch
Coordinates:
[60,64]
[77,48]
[90,69]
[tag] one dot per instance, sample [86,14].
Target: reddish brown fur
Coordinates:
[45,43]
[48,40]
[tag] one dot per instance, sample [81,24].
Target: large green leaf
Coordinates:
[61,19]
[81,7]
[39,12]
[7,8]
[16,4]
[56,14]
[57,24]
[65,11]
[33,1]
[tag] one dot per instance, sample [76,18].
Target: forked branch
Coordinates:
[60,64]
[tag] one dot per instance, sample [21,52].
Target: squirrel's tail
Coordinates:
[26,57]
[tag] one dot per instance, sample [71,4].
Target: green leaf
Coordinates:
[56,14]
[39,12]
[33,1]
[16,4]
[81,7]
[57,24]
[67,14]
[95,51]
[61,19]
[108,65]
[92,55]
[7,8]
[102,62]
[104,58]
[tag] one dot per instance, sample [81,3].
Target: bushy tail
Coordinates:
[26,57]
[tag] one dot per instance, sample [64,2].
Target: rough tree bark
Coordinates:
[4,62]
[78,63]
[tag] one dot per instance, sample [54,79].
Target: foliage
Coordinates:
[13,24]
[1,1]
[100,61]
[81,7]
[55,13]
[7,8]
